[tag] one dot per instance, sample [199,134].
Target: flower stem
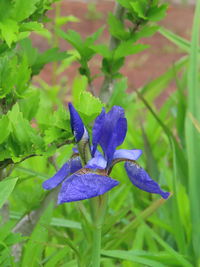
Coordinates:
[96,246]
[98,211]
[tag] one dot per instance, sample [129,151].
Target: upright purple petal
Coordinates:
[77,125]
[83,186]
[98,162]
[71,166]
[140,178]
[110,131]
[132,154]
[116,139]
[97,130]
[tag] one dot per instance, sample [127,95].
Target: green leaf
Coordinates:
[119,96]
[5,5]
[23,76]
[128,48]
[131,256]
[176,39]
[54,261]
[24,9]
[35,27]
[5,128]
[139,8]
[23,139]
[155,87]
[73,38]
[30,51]
[36,244]
[103,50]
[192,134]
[89,105]
[49,55]
[156,13]
[30,104]
[116,28]
[80,84]
[9,31]
[145,31]
[6,188]
[124,3]
[60,21]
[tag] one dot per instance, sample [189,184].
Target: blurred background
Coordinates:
[140,69]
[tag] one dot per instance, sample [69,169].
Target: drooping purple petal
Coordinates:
[140,178]
[132,154]
[71,166]
[110,131]
[83,186]
[77,125]
[97,130]
[98,162]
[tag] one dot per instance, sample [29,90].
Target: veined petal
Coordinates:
[71,166]
[132,154]
[97,130]
[111,131]
[98,162]
[77,125]
[140,178]
[116,139]
[83,186]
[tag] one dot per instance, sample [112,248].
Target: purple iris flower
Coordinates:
[86,174]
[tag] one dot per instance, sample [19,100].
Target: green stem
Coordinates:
[98,211]
[96,246]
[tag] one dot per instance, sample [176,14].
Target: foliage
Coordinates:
[35,138]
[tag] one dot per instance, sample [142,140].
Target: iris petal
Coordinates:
[98,162]
[109,131]
[140,178]
[73,165]
[97,130]
[76,123]
[83,186]
[132,154]
[116,139]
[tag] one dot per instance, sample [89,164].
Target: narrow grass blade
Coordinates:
[192,134]
[177,40]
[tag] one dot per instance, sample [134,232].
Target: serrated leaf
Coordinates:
[139,8]
[5,128]
[9,31]
[6,188]
[7,74]
[24,8]
[23,139]
[23,76]
[79,85]
[89,105]
[30,104]
[30,51]
[157,13]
